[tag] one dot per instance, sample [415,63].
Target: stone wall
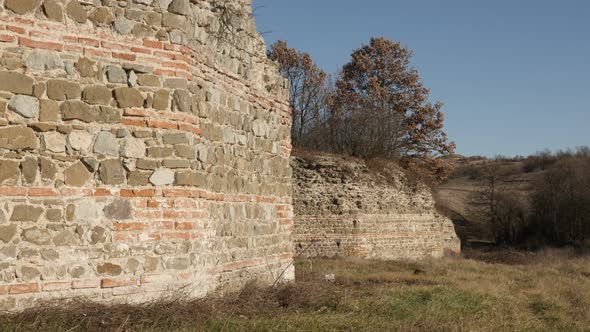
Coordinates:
[144,148]
[344,207]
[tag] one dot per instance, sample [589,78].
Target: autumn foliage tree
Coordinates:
[381,109]
[308,92]
[378,108]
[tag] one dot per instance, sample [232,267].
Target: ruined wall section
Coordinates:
[343,207]
[143,149]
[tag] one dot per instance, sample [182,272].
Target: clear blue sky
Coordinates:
[514,74]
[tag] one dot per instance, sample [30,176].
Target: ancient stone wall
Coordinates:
[144,148]
[343,207]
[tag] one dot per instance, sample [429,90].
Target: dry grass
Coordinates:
[548,291]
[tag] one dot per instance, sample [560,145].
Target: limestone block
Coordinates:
[159,152]
[16,82]
[77,175]
[63,90]
[26,213]
[141,30]
[174,21]
[102,16]
[109,115]
[48,169]
[111,172]
[26,106]
[86,67]
[9,172]
[53,10]
[133,148]
[77,110]
[80,140]
[122,25]
[29,167]
[54,142]
[191,178]
[116,74]
[97,94]
[7,232]
[147,164]
[161,100]
[65,238]
[162,177]
[98,235]
[163,3]
[181,7]
[38,236]
[176,163]
[176,83]
[175,138]
[202,152]
[128,97]
[48,111]
[91,163]
[164,248]
[176,263]
[28,273]
[76,12]
[106,144]
[181,101]
[132,265]
[149,80]
[42,60]
[77,271]
[185,151]
[49,254]
[39,89]
[118,210]
[110,269]
[8,253]
[151,264]
[229,136]
[138,178]
[132,79]
[22,6]
[53,215]
[85,211]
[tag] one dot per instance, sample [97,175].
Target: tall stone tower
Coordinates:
[144,148]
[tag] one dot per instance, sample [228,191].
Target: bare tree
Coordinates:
[495,202]
[308,90]
[561,200]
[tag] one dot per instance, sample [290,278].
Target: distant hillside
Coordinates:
[454,197]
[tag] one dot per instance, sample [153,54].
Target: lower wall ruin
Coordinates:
[345,208]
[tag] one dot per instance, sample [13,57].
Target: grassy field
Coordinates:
[497,291]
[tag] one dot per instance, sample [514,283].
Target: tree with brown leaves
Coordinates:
[381,109]
[308,92]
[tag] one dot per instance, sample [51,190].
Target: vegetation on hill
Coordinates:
[377,108]
[530,202]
